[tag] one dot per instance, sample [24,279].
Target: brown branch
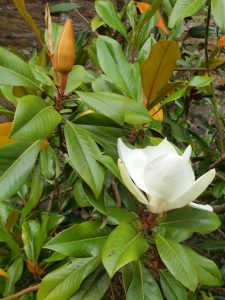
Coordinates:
[32,288]
[213,99]
[219,209]
[116,193]
[220,176]
[217,162]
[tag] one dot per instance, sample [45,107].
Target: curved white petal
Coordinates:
[168,176]
[187,153]
[194,191]
[135,160]
[130,184]
[201,206]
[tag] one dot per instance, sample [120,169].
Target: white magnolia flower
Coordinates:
[165,176]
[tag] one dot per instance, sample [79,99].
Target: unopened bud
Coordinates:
[64,55]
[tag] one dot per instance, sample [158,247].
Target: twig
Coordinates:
[116,193]
[23,292]
[213,99]
[218,162]
[219,209]
[220,176]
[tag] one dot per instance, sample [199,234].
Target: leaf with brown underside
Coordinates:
[20,5]
[158,68]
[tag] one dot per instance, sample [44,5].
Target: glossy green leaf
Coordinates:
[183,9]
[108,162]
[213,245]
[75,78]
[79,194]
[64,282]
[177,261]
[192,219]
[11,242]
[218,10]
[34,119]
[117,107]
[35,193]
[14,175]
[124,244]
[14,71]
[117,215]
[104,104]
[96,22]
[64,7]
[172,288]
[85,197]
[94,287]
[143,285]
[15,271]
[207,271]
[200,81]
[81,240]
[106,11]
[50,164]
[33,237]
[82,152]
[111,58]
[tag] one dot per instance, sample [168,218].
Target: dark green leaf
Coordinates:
[192,219]
[177,261]
[143,285]
[83,151]
[14,175]
[64,282]
[81,240]
[173,289]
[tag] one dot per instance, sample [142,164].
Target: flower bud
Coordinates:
[64,55]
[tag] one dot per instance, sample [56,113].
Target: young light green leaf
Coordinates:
[80,240]
[218,10]
[106,11]
[183,9]
[64,7]
[34,119]
[14,71]
[75,78]
[124,244]
[111,58]
[83,152]
[64,282]
[177,261]
[143,285]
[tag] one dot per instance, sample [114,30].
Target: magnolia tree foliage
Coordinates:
[74,223]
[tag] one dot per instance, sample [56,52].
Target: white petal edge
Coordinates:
[135,160]
[130,184]
[201,206]
[194,191]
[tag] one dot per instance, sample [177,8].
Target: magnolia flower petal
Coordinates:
[135,160]
[201,206]
[194,191]
[168,176]
[130,184]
